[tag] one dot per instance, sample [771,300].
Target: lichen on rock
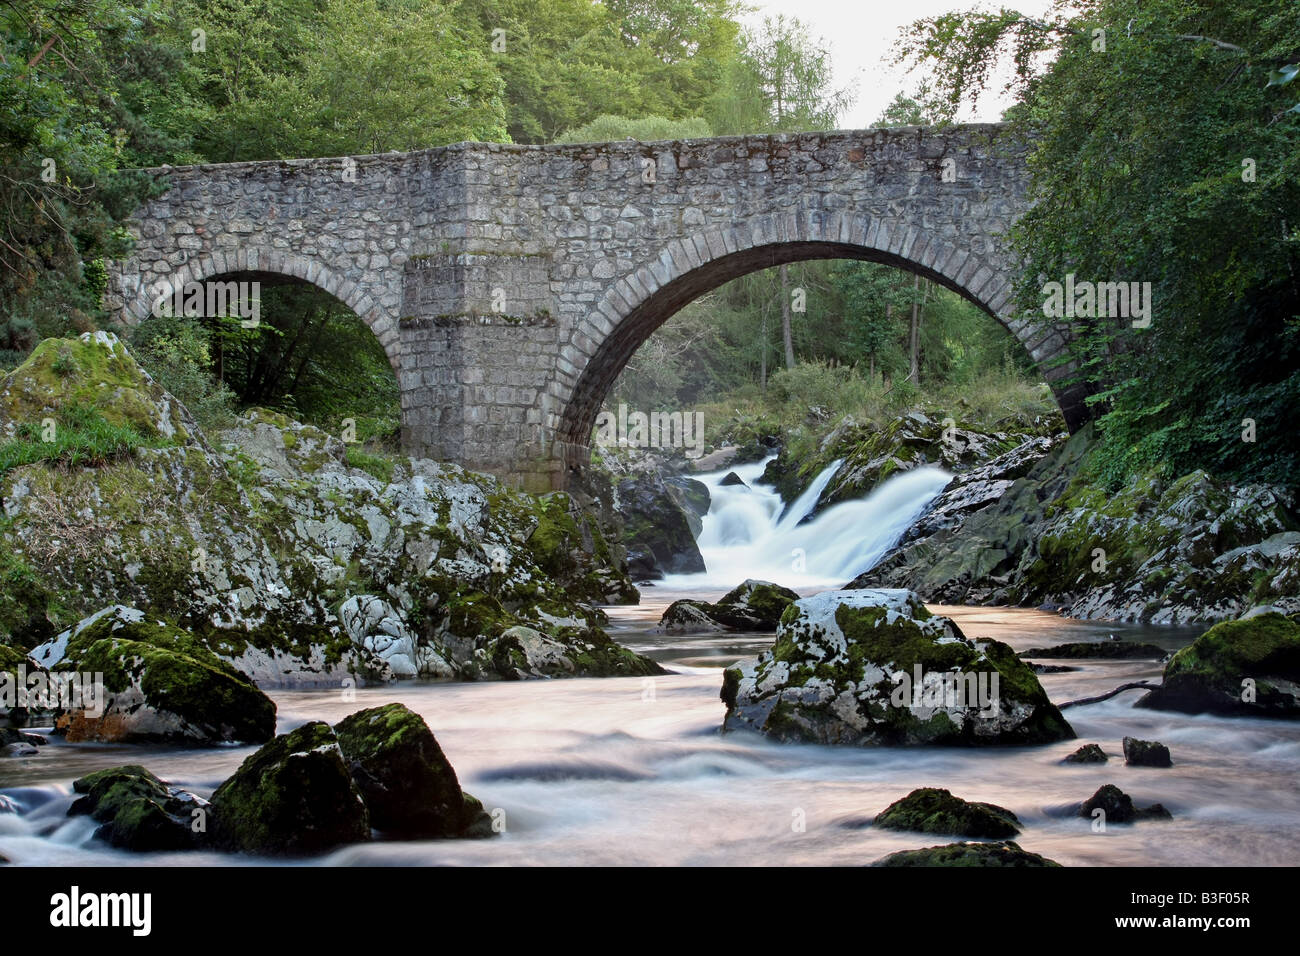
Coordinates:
[876,668]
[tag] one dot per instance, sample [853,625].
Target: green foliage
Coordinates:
[606,127]
[1171,157]
[375,465]
[82,438]
[175,351]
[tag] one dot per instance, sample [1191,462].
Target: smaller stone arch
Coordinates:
[254,260]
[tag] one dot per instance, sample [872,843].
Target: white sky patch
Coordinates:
[861,35]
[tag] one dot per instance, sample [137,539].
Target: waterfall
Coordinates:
[749,533]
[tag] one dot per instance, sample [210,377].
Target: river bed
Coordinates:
[633,771]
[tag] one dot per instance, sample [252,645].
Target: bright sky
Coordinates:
[860,35]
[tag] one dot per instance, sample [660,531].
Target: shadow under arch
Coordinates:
[641,301]
[254,264]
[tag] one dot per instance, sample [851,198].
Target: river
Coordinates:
[621,771]
[633,771]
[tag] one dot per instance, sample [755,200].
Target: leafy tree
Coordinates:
[1166,151]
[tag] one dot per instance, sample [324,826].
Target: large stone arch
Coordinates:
[254,261]
[637,303]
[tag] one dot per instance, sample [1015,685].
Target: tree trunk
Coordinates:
[785,316]
[762,370]
[914,372]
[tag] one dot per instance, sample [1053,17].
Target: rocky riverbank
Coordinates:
[276,548]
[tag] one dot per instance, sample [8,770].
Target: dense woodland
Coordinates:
[1141,172]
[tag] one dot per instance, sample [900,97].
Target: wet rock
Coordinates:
[20,748]
[656,529]
[932,810]
[161,684]
[1145,753]
[752,606]
[1249,666]
[523,653]
[876,668]
[409,787]
[1117,807]
[1191,549]
[731,478]
[375,625]
[294,796]
[1100,650]
[1004,854]
[1088,753]
[137,811]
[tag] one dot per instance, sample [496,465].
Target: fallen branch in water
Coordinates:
[1145,685]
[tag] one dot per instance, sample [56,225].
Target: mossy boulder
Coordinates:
[1249,666]
[523,653]
[93,371]
[753,606]
[294,796]
[137,811]
[1088,753]
[407,783]
[1004,854]
[876,668]
[933,810]
[161,684]
[1116,806]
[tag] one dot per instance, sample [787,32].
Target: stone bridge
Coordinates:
[510,284]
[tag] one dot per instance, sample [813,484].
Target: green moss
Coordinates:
[931,810]
[377,466]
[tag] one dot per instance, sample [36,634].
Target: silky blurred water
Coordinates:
[626,771]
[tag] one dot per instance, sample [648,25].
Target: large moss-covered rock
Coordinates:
[93,371]
[1005,854]
[1249,667]
[933,810]
[161,683]
[876,668]
[294,796]
[258,537]
[137,811]
[752,606]
[407,783]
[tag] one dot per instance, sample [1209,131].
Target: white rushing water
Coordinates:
[598,771]
[748,532]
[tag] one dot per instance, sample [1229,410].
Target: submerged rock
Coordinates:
[137,811]
[1099,650]
[1116,806]
[1146,753]
[408,785]
[932,810]
[1249,666]
[294,796]
[161,683]
[752,606]
[876,668]
[1004,854]
[1088,753]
